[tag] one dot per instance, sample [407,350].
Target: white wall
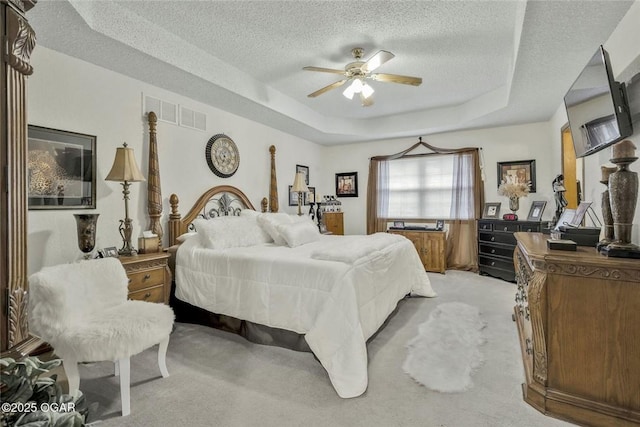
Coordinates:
[68,94]
[523,142]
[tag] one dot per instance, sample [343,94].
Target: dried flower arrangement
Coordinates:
[513,188]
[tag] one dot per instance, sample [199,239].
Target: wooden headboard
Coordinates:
[223,200]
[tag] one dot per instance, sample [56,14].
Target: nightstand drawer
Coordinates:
[145,279]
[155,294]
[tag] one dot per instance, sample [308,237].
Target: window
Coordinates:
[432,186]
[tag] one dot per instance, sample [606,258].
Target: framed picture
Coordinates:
[310,197]
[565,218]
[521,171]
[61,169]
[347,184]
[293,197]
[535,213]
[576,221]
[491,210]
[110,252]
[440,224]
[305,171]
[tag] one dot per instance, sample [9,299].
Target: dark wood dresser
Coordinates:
[578,319]
[496,244]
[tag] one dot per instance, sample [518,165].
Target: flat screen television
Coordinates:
[597,107]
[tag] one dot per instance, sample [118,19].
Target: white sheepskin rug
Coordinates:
[446,351]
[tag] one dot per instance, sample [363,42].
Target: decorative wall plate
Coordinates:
[222,155]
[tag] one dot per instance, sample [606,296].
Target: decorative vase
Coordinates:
[514,203]
[623,195]
[86,228]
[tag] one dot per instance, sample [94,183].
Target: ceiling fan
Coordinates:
[358,72]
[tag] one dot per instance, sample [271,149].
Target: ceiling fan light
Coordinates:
[367,90]
[348,92]
[357,85]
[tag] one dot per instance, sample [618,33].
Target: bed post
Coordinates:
[273,189]
[154,194]
[174,221]
[263,204]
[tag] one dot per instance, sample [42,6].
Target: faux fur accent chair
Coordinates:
[81,310]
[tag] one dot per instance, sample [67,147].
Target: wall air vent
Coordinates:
[193,119]
[166,111]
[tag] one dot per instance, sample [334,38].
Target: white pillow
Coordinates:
[249,213]
[298,233]
[186,236]
[230,232]
[268,221]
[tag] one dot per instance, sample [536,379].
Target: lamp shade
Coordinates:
[299,184]
[124,166]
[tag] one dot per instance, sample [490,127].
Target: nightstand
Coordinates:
[149,276]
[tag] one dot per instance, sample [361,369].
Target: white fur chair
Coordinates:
[81,310]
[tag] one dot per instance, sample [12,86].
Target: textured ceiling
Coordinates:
[483,63]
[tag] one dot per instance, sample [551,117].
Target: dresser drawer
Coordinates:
[496,263]
[486,226]
[506,238]
[530,228]
[155,294]
[510,227]
[145,279]
[503,251]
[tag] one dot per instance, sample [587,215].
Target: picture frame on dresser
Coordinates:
[537,208]
[491,210]
[61,169]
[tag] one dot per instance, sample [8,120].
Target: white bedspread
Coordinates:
[338,305]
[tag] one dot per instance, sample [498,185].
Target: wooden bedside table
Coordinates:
[149,276]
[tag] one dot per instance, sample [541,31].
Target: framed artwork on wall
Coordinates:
[310,197]
[61,169]
[347,184]
[293,197]
[305,171]
[519,171]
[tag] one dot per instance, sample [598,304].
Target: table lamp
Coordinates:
[125,170]
[300,187]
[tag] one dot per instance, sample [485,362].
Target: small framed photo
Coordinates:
[576,221]
[491,210]
[310,197]
[440,224]
[347,184]
[398,224]
[535,213]
[305,171]
[110,252]
[293,197]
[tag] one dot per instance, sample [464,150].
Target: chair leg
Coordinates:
[125,380]
[73,375]
[162,357]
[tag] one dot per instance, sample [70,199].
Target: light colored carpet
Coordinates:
[446,351]
[220,379]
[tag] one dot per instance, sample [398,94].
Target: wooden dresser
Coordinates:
[149,276]
[334,221]
[431,246]
[578,318]
[496,244]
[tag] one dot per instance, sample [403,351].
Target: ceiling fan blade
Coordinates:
[323,70]
[327,88]
[366,102]
[377,60]
[396,78]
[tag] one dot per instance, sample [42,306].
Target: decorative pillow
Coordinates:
[298,233]
[268,221]
[230,232]
[186,236]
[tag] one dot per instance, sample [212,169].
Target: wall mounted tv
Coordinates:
[597,107]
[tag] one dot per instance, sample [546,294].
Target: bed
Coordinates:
[333,291]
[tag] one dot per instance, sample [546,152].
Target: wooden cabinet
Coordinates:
[578,320]
[334,222]
[149,276]
[431,247]
[496,244]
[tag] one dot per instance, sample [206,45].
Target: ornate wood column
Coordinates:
[154,193]
[273,189]
[18,42]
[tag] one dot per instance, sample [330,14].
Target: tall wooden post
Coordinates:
[154,193]
[273,189]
